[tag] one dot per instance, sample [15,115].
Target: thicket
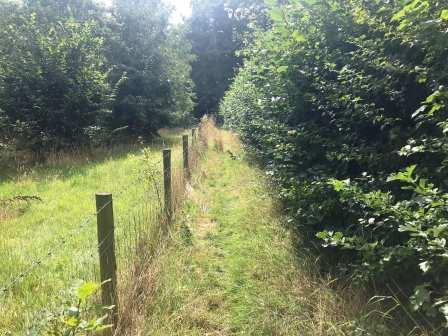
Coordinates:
[73,72]
[346,104]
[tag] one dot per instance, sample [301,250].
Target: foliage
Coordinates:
[75,73]
[335,99]
[405,237]
[53,84]
[81,318]
[217,30]
[152,67]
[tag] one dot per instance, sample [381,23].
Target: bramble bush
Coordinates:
[345,103]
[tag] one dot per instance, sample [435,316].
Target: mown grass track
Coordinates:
[232,267]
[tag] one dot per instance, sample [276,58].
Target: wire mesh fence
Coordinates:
[140,225]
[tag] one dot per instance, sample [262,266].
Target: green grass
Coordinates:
[232,267]
[29,231]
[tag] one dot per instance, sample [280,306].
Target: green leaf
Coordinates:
[420,297]
[339,185]
[282,69]
[322,235]
[444,15]
[404,176]
[271,3]
[276,15]
[72,322]
[86,290]
[409,227]
[298,36]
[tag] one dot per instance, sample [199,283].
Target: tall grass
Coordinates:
[234,267]
[49,243]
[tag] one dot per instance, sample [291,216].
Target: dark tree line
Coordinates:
[218,30]
[73,72]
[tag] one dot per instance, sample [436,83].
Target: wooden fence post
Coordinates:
[106,249]
[186,157]
[193,135]
[167,182]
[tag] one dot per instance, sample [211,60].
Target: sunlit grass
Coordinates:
[31,230]
[231,270]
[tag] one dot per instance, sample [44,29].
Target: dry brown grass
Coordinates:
[12,207]
[7,213]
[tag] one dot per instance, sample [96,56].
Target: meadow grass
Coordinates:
[233,267]
[58,230]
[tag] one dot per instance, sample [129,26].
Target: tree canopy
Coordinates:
[72,72]
[217,31]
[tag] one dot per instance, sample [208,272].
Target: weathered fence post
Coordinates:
[193,135]
[167,182]
[186,157]
[106,249]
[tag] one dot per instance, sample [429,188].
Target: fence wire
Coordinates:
[139,232]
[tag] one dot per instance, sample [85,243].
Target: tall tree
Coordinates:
[144,57]
[72,71]
[217,32]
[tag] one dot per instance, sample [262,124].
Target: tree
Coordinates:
[53,79]
[217,31]
[72,72]
[149,90]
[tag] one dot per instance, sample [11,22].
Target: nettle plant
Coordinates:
[83,318]
[407,237]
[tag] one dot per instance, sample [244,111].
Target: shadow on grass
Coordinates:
[80,161]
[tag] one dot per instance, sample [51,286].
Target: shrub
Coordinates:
[53,81]
[82,318]
[334,100]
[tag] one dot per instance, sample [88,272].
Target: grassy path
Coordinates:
[232,269]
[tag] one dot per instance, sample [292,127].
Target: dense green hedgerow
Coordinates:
[345,102]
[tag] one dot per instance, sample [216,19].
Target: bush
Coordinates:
[72,72]
[53,82]
[334,100]
[82,317]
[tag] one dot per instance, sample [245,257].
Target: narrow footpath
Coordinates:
[231,268]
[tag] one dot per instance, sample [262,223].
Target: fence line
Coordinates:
[149,215]
[62,242]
